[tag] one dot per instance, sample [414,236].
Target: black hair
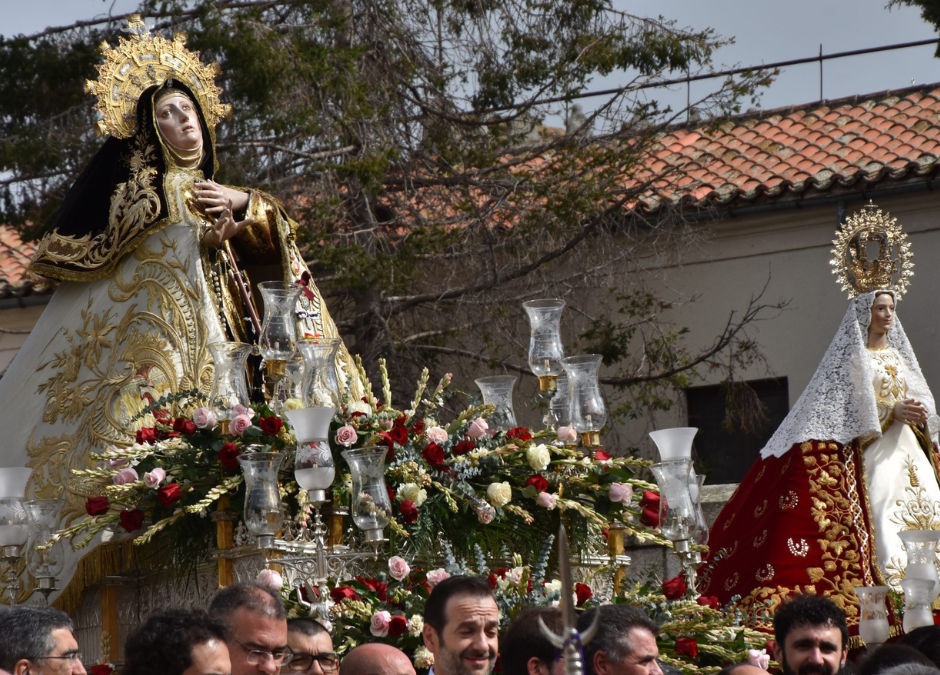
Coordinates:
[887,656]
[27,633]
[809,610]
[616,621]
[306,626]
[926,640]
[524,640]
[163,644]
[435,609]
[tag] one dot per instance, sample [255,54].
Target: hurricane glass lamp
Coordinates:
[320,388]
[917,599]
[44,560]
[314,469]
[229,381]
[14,526]
[545,348]
[586,407]
[262,513]
[921,549]
[873,615]
[370,506]
[696,484]
[497,391]
[558,406]
[278,332]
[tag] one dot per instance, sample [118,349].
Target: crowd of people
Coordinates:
[246,631]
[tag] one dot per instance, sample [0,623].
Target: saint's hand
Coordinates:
[910,412]
[216,198]
[225,228]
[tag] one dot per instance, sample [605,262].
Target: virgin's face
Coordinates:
[179,122]
[882,314]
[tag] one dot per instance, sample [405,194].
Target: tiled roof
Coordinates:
[14,257]
[798,152]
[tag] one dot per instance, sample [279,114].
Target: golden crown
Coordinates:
[144,60]
[871,252]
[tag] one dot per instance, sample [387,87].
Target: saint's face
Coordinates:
[179,122]
[882,314]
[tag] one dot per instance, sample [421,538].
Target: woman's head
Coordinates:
[882,314]
[177,119]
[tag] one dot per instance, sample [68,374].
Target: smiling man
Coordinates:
[625,642]
[811,635]
[38,641]
[461,623]
[257,628]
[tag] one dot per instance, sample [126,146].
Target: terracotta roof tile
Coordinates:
[14,258]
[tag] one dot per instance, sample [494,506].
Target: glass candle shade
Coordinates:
[545,348]
[294,375]
[314,470]
[559,404]
[917,599]
[370,506]
[586,407]
[14,530]
[677,517]
[674,443]
[873,616]
[921,549]
[696,483]
[497,391]
[321,387]
[43,518]
[229,381]
[262,498]
[278,334]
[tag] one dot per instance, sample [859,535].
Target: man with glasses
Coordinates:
[38,641]
[257,628]
[312,647]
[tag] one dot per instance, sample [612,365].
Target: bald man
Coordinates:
[376,659]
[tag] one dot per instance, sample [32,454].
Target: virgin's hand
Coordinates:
[225,228]
[910,412]
[216,198]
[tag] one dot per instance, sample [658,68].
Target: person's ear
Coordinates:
[778,652]
[430,638]
[601,663]
[534,666]
[21,667]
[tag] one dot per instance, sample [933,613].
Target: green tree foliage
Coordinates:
[408,138]
[929,12]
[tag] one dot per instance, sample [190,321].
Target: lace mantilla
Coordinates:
[839,403]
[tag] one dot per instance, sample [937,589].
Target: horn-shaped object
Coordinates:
[570,642]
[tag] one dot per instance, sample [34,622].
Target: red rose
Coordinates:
[100,669]
[583,592]
[409,512]
[399,421]
[341,593]
[650,499]
[228,456]
[270,425]
[397,626]
[708,601]
[687,647]
[169,494]
[398,434]
[601,456]
[650,517]
[162,416]
[519,434]
[492,578]
[538,482]
[378,587]
[417,428]
[95,506]
[674,588]
[464,447]
[147,435]
[391,493]
[181,425]
[132,520]
[433,454]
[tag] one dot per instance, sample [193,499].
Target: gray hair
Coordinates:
[27,633]
[616,621]
[252,596]
[910,669]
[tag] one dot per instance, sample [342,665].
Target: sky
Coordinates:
[764,32]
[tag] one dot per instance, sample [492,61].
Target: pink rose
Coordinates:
[380,623]
[758,659]
[242,410]
[270,579]
[478,427]
[567,434]
[437,435]
[546,500]
[386,424]
[152,479]
[485,512]
[621,493]
[125,476]
[398,568]
[117,461]
[238,424]
[437,576]
[204,418]
[346,435]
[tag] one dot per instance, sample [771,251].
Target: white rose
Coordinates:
[411,491]
[416,625]
[423,658]
[554,585]
[358,407]
[499,494]
[515,575]
[538,457]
